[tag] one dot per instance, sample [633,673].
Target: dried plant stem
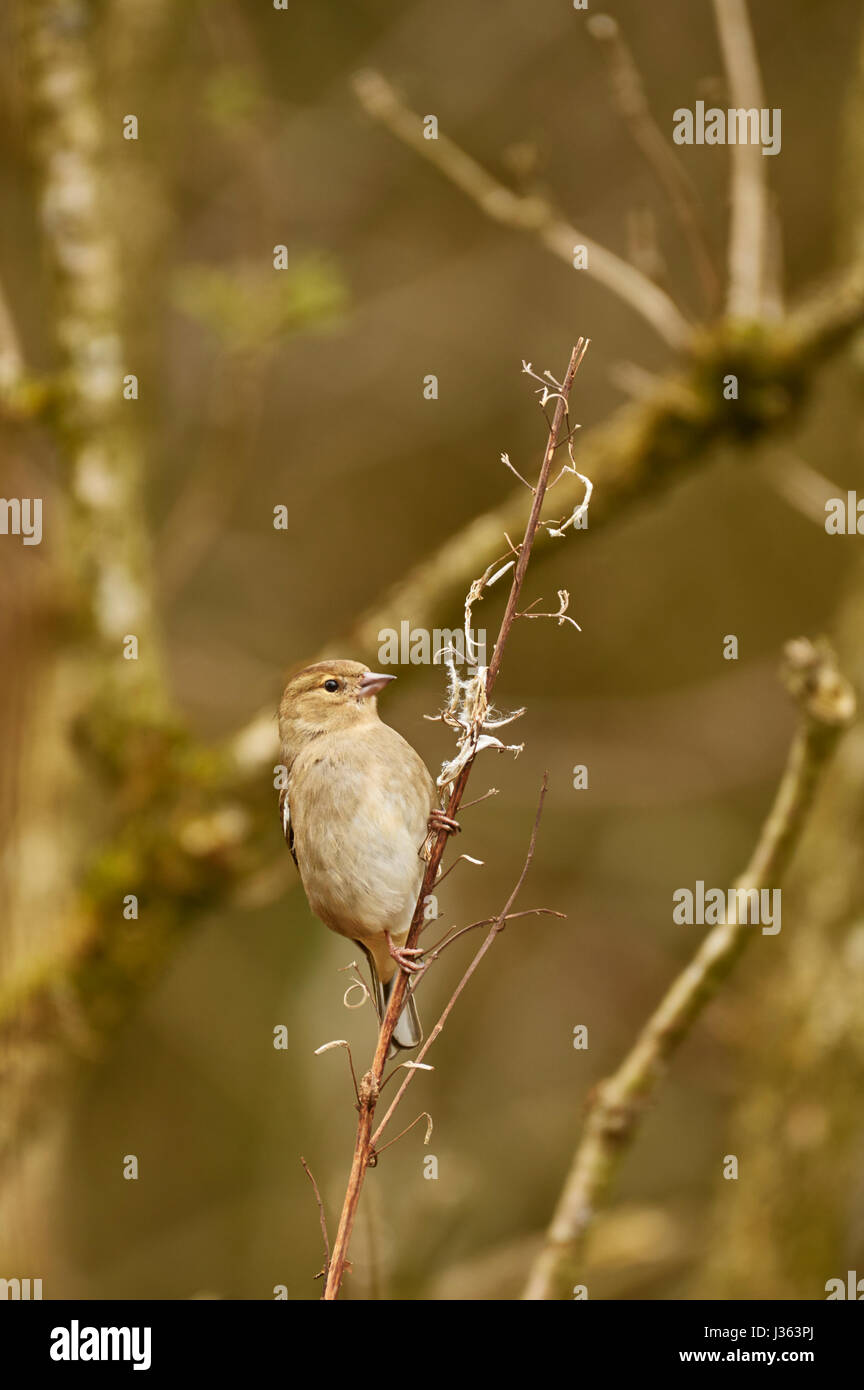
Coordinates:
[827,707]
[497,925]
[370,1084]
[320,1205]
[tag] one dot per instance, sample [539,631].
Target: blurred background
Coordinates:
[303,388]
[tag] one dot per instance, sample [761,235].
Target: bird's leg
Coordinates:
[439,820]
[403,954]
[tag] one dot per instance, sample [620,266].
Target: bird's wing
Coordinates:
[287,827]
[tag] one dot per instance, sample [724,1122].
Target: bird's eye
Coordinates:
[331,686]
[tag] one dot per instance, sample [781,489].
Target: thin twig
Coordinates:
[321,1216]
[749,229]
[466,805]
[628,92]
[435,950]
[530,214]
[534,518]
[505,459]
[827,706]
[424,1115]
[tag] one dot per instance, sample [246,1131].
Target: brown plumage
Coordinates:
[355,814]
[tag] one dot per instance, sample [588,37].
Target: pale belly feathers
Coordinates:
[370,795]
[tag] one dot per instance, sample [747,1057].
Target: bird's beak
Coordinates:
[372,682]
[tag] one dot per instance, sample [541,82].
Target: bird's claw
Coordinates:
[403,955]
[439,820]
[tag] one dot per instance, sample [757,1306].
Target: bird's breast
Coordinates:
[359,811]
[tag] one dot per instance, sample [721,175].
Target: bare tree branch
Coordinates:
[528,214]
[628,92]
[750,228]
[827,705]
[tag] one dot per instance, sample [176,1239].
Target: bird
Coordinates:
[357,807]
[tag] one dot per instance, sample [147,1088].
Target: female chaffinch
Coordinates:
[356,813]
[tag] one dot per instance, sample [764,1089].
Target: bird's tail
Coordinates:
[408,1032]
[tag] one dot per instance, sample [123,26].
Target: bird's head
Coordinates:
[328,697]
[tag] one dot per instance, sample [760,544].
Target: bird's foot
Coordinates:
[405,956]
[439,820]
